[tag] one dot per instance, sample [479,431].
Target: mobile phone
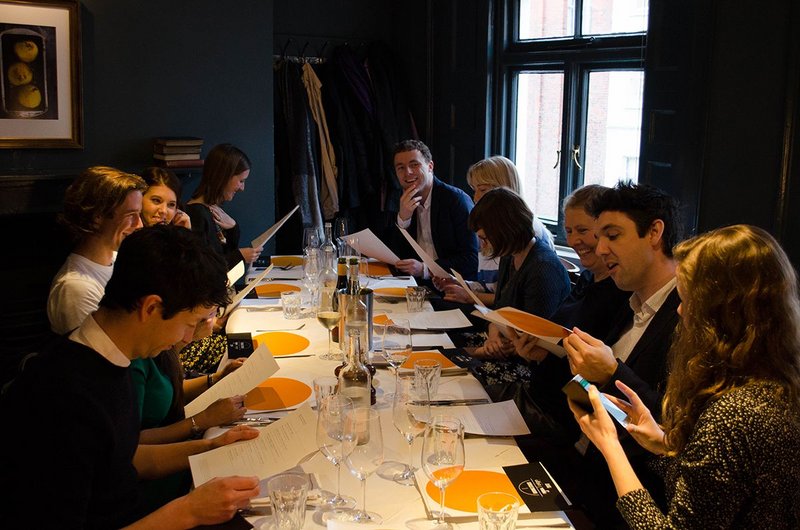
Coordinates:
[577,389]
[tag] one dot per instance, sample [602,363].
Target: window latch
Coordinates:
[558,158]
[576,152]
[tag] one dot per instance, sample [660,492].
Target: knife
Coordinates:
[452,402]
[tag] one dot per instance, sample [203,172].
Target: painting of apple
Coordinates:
[26,50]
[29,96]
[19,74]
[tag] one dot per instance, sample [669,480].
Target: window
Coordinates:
[568,106]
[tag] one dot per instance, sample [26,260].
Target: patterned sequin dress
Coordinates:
[740,469]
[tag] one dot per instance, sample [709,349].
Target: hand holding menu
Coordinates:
[244,292]
[258,367]
[435,268]
[549,333]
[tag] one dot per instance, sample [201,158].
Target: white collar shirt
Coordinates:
[92,335]
[643,313]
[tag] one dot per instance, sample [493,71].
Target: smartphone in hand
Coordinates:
[577,389]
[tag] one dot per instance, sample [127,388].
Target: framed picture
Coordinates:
[40,92]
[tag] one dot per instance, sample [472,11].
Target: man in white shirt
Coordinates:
[101,208]
[637,230]
[435,215]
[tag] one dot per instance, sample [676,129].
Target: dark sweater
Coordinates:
[76,462]
[203,224]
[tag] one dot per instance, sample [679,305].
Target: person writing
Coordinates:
[730,424]
[224,174]
[165,281]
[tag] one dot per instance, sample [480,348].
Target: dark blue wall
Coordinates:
[198,68]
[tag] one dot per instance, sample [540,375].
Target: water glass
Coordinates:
[324,386]
[288,493]
[290,301]
[415,298]
[497,511]
[426,377]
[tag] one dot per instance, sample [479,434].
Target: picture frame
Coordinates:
[40,89]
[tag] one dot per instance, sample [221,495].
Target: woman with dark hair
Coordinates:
[160,201]
[731,413]
[225,171]
[530,277]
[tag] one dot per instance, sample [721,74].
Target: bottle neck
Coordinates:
[353,287]
[354,351]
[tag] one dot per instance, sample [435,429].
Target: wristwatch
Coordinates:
[197,432]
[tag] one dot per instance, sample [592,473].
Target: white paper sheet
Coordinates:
[451,319]
[246,290]
[433,267]
[257,368]
[235,273]
[491,419]
[279,446]
[463,284]
[369,245]
[261,240]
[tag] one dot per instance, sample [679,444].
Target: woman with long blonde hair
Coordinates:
[731,413]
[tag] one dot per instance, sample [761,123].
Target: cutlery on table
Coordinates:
[452,402]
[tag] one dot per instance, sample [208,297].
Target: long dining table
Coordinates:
[399,505]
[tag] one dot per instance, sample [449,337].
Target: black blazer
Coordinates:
[456,246]
[645,370]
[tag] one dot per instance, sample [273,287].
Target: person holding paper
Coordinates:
[730,422]
[224,174]
[637,228]
[101,208]
[434,213]
[162,392]
[165,281]
[482,176]
[531,277]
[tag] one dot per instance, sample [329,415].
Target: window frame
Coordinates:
[576,57]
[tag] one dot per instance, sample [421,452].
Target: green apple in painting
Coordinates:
[26,50]
[19,74]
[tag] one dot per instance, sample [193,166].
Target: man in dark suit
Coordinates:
[637,229]
[434,213]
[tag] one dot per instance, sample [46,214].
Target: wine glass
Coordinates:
[328,316]
[363,442]
[311,238]
[410,415]
[396,345]
[443,457]
[330,433]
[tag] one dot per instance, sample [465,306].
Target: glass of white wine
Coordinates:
[443,458]
[328,316]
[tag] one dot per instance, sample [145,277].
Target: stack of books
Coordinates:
[178,151]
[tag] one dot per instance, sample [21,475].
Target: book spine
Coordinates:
[180,163]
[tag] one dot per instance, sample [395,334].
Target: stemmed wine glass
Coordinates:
[310,238]
[396,345]
[328,316]
[330,434]
[443,457]
[411,413]
[363,441]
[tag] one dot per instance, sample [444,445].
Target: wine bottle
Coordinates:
[328,247]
